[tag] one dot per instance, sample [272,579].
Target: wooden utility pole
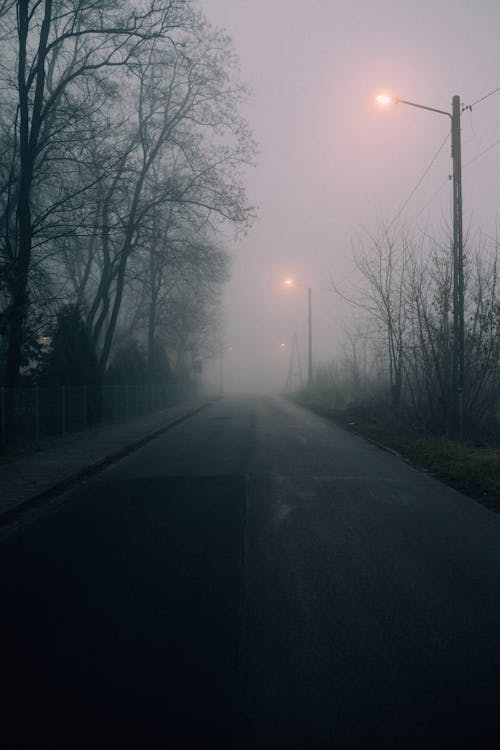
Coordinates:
[458,274]
[309,339]
[458,363]
[295,367]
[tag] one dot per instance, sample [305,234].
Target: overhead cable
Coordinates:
[482,153]
[481,99]
[419,182]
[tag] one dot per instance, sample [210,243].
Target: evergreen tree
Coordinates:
[72,359]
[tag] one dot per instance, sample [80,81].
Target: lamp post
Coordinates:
[291,283]
[458,366]
[309,337]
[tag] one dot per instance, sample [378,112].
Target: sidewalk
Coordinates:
[55,469]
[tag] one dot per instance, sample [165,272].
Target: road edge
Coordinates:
[14,513]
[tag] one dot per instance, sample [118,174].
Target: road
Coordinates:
[254,578]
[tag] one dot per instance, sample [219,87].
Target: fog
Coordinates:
[333,164]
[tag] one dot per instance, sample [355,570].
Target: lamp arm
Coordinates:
[421,106]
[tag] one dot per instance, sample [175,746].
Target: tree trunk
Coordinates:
[28,141]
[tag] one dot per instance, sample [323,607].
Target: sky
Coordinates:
[333,164]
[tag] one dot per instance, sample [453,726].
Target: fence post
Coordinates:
[37,412]
[63,409]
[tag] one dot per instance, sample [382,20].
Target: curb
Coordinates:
[14,513]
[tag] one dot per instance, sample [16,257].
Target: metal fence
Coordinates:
[29,414]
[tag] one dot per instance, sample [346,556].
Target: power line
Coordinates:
[419,182]
[421,179]
[441,186]
[482,153]
[481,99]
[431,199]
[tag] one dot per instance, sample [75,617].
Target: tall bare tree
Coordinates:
[62,51]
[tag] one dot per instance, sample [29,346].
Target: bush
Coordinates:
[128,365]
[71,359]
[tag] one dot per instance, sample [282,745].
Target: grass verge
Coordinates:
[469,468]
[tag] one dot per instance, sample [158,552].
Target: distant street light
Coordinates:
[458,256]
[290,283]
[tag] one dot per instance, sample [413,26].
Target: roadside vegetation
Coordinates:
[472,468]
[393,381]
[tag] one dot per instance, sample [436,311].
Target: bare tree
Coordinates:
[384,266]
[185,148]
[62,49]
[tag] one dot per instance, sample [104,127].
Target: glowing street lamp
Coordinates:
[458,253]
[385,99]
[290,283]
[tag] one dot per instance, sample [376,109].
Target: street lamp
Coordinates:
[458,254]
[290,283]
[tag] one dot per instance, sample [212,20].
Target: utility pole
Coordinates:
[458,274]
[309,323]
[294,367]
[458,358]
[290,284]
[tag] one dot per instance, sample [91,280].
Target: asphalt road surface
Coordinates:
[254,578]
